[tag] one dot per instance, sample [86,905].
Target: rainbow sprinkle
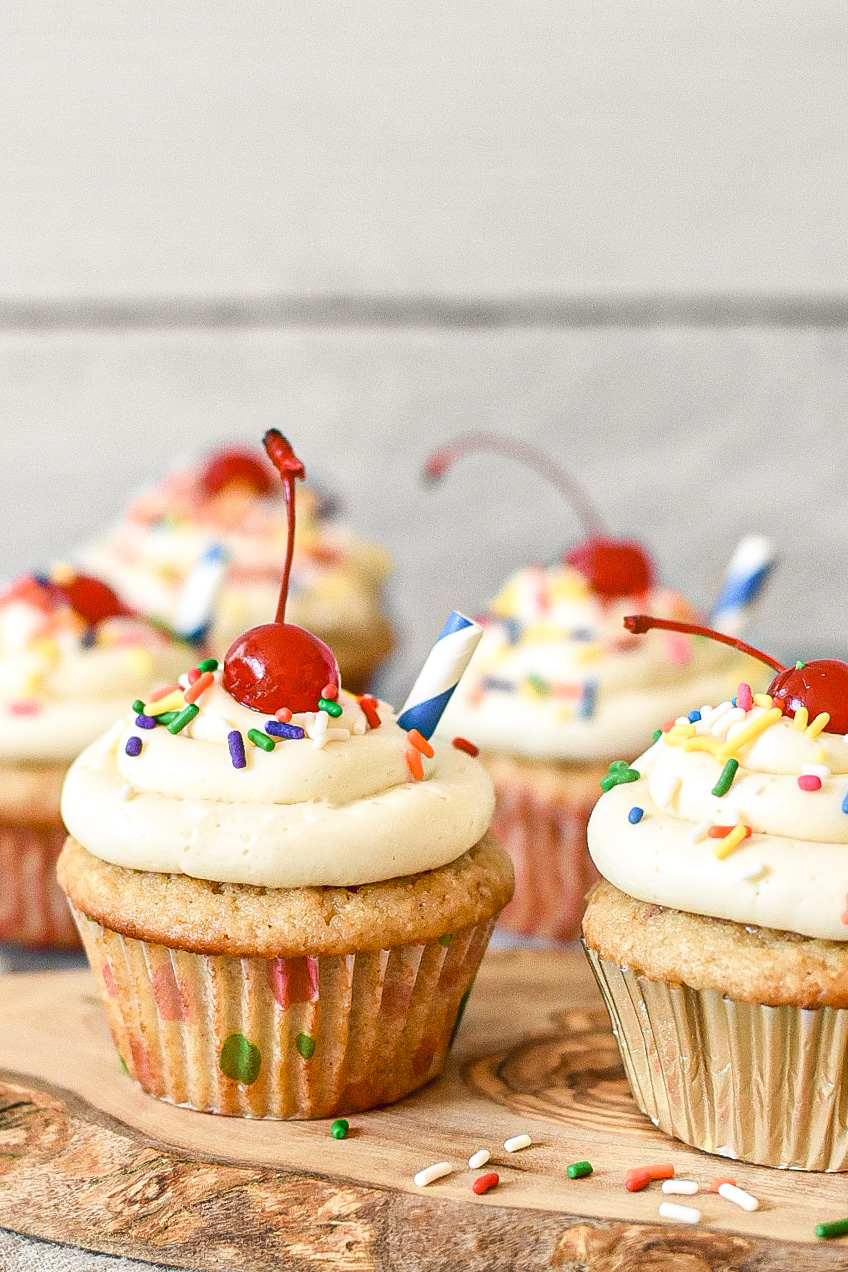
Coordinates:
[236,744]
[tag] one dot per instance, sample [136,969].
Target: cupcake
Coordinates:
[719,934]
[70,652]
[558,689]
[284,895]
[230,503]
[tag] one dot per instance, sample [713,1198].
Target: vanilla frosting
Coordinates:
[63,682]
[336,578]
[340,806]
[790,872]
[556,675]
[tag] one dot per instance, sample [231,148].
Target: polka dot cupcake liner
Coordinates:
[33,909]
[302,1037]
[541,815]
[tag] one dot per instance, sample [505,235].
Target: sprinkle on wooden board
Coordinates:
[478,1159]
[738,1196]
[516,1142]
[723,1179]
[836,1228]
[485,1183]
[682,1187]
[683,1214]
[430,1173]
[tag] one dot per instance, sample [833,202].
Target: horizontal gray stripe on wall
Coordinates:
[162,313]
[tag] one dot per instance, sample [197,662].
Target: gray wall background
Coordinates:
[617,231]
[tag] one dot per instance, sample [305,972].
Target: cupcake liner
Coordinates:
[760,1084]
[542,825]
[301,1037]
[33,909]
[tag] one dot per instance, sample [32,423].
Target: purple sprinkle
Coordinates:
[236,744]
[145,722]
[133,746]
[280,730]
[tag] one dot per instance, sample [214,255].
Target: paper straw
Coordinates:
[747,571]
[196,602]
[440,674]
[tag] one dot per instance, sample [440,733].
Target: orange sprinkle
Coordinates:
[719,832]
[331,692]
[413,759]
[725,1179]
[462,744]
[369,706]
[192,675]
[638,1177]
[198,687]
[420,743]
[162,693]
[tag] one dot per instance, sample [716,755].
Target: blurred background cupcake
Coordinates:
[226,513]
[70,653]
[558,689]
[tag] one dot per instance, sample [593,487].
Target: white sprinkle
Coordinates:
[360,724]
[686,1187]
[337,735]
[753,871]
[724,726]
[479,1158]
[739,1196]
[429,1173]
[516,1142]
[699,832]
[665,789]
[684,1214]
[126,792]
[683,720]
[815,770]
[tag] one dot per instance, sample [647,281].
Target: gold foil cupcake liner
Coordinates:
[33,908]
[301,1037]
[759,1084]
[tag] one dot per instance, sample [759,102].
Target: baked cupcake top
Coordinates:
[556,676]
[739,810]
[70,653]
[231,499]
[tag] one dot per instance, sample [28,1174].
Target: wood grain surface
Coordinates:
[87,1159]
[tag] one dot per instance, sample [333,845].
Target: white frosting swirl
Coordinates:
[340,807]
[789,873]
[556,675]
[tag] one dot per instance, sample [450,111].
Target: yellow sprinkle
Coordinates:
[565,713]
[61,573]
[141,661]
[821,721]
[820,754]
[763,699]
[801,720]
[682,731]
[751,731]
[171,702]
[725,846]
[588,654]
[703,744]
[47,649]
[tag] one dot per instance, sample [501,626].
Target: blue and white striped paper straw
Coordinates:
[195,607]
[440,674]
[747,571]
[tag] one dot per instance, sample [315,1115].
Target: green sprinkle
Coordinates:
[240,1060]
[579,1170]
[799,666]
[261,739]
[138,706]
[208,664]
[657,734]
[332,708]
[446,939]
[725,782]
[839,1227]
[619,772]
[305,1045]
[123,1063]
[182,718]
[167,717]
[541,687]
[340,1128]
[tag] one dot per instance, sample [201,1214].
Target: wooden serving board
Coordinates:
[88,1159]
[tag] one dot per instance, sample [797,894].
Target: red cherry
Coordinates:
[92,599]
[234,464]
[613,567]
[820,685]
[277,664]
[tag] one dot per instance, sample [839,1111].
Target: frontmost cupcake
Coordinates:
[719,934]
[70,652]
[284,894]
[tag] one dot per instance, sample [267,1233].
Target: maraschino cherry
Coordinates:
[820,685]
[278,664]
[92,599]
[612,567]
[236,465]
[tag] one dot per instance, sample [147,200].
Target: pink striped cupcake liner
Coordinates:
[33,909]
[302,1037]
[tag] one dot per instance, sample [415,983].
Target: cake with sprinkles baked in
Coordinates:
[70,652]
[558,689]
[283,889]
[719,932]
[228,506]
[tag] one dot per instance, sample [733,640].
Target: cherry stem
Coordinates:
[641,623]
[441,459]
[289,467]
